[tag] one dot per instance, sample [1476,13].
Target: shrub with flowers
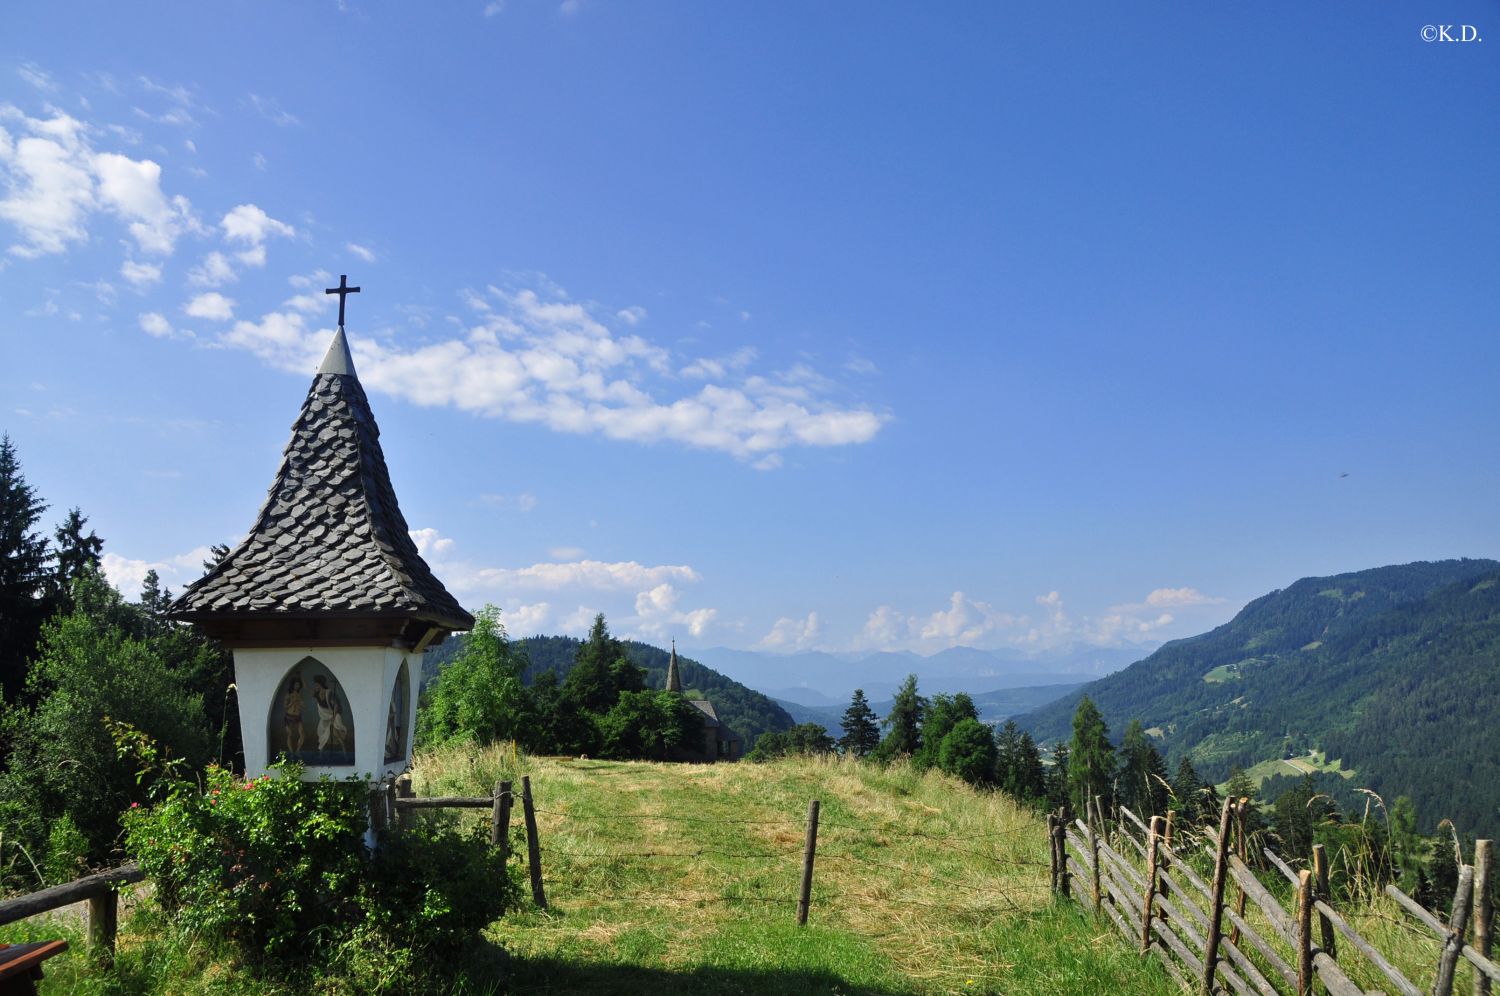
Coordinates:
[277,868]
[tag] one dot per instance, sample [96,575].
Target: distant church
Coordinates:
[719,742]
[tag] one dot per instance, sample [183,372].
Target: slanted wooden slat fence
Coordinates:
[1155,898]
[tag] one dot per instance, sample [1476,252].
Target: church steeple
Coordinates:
[674,680]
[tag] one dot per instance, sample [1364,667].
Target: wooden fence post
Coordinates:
[1483,913]
[404,791]
[1052,848]
[104,921]
[809,849]
[1327,939]
[1060,845]
[377,808]
[1091,811]
[1216,904]
[1240,806]
[1153,846]
[533,846]
[1458,922]
[1304,933]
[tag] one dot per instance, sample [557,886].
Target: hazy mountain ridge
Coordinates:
[1393,669]
[832,677]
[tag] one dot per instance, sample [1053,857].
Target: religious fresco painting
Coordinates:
[395,721]
[310,720]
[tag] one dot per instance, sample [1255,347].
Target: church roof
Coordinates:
[330,541]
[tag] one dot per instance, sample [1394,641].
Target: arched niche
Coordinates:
[310,720]
[397,736]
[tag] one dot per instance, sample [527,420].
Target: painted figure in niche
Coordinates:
[291,712]
[330,716]
[395,720]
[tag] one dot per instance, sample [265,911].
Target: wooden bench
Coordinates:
[21,965]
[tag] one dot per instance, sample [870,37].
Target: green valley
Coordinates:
[1389,672]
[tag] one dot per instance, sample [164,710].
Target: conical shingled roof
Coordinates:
[330,541]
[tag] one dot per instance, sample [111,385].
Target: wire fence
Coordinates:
[904,860]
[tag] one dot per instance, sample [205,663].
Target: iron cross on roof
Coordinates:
[343,290]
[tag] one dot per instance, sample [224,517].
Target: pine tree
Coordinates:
[76,553]
[1187,789]
[861,730]
[1031,780]
[1057,778]
[1091,758]
[1143,775]
[904,722]
[594,681]
[24,557]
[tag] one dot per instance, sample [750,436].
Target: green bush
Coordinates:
[265,865]
[276,870]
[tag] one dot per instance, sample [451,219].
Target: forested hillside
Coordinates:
[1392,670]
[747,712]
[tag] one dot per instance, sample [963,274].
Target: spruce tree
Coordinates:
[1031,781]
[1187,788]
[861,730]
[76,553]
[1143,775]
[904,722]
[1091,757]
[24,558]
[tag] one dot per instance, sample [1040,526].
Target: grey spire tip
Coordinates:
[337,360]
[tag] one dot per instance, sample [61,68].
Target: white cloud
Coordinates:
[429,543]
[885,629]
[1179,597]
[368,255]
[48,181]
[54,181]
[132,189]
[140,275]
[577,621]
[566,553]
[212,305]
[494,7]
[551,362]
[657,614]
[525,501]
[155,323]
[632,315]
[259,162]
[249,226]
[214,271]
[964,623]
[126,573]
[271,109]
[793,634]
[526,620]
[581,574]
[36,77]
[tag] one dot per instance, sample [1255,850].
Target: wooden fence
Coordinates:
[101,891]
[1138,875]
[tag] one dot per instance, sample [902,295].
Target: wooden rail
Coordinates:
[100,891]
[1167,909]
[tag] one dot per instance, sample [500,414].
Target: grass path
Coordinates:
[683,879]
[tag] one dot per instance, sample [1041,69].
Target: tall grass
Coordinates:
[685,878]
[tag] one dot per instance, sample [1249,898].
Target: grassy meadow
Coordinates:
[684,879]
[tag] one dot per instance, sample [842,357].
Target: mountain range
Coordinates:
[1393,671]
[816,678]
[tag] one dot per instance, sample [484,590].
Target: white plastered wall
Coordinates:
[368,676]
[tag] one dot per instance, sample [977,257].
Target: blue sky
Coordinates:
[777,326]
